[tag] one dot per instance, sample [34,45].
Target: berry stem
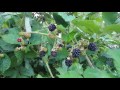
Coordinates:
[40,33]
[49,70]
[89,62]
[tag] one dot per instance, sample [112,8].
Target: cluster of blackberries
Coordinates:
[92,47]
[76,53]
[68,62]
[51,27]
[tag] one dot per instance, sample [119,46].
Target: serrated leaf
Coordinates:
[39,76]
[5,63]
[77,67]
[88,26]
[6,46]
[12,36]
[69,37]
[20,56]
[96,73]
[35,39]
[109,17]
[112,28]
[26,72]
[115,54]
[66,17]
[62,54]
[59,20]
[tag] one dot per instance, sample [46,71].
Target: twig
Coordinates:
[49,70]
[40,33]
[89,62]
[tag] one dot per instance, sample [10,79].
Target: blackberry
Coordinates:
[54,53]
[51,27]
[92,47]
[75,53]
[68,62]
[42,53]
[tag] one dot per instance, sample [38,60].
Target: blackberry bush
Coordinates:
[46,44]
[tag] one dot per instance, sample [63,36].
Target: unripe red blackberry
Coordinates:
[19,39]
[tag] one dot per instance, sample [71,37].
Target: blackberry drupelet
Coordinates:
[51,27]
[92,47]
[76,53]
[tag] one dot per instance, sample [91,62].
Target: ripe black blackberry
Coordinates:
[76,53]
[68,62]
[54,53]
[92,47]
[51,27]
[42,53]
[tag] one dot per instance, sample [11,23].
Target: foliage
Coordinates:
[71,30]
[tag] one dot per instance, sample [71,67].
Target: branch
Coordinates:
[49,70]
[89,62]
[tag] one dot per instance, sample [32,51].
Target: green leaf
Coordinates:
[39,76]
[66,17]
[96,73]
[62,54]
[12,73]
[77,67]
[69,37]
[12,36]
[74,71]
[59,20]
[36,25]
[109,17]
[115,54]
[27,71]
[35,39]
[70,74]
[87,26]
[30,54]
[112,28]
[20,56]
[5,63]
[6,46]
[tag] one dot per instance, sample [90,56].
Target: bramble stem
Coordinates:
[89,62]
[49,70]
[40,33]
